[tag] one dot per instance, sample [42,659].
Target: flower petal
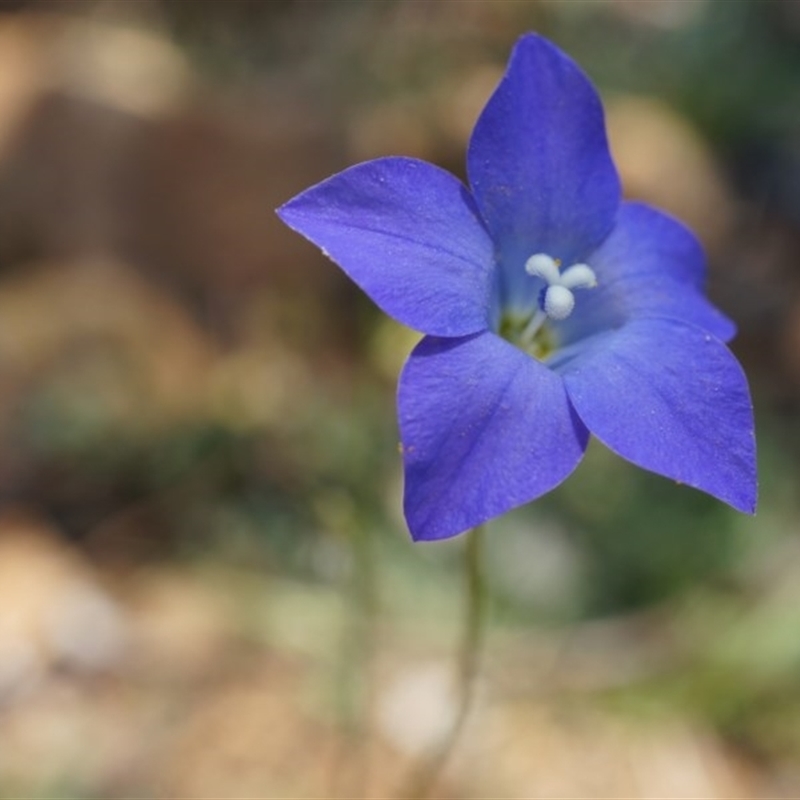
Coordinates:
[539,164]
[670,398]
[409,235]
[485,428]
[649,266]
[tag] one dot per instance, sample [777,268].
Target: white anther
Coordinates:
[579,276]
[558,302]
[543,266]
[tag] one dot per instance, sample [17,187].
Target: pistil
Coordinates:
[557,300]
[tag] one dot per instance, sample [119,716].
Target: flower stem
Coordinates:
[422,777]
[351,774]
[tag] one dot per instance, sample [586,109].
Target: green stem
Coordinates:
[422,778]
[351,776]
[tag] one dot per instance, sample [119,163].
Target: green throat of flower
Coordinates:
[557,301]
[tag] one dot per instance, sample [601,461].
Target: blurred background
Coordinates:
[206,585]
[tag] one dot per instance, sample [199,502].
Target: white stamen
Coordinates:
[579,276]
[543,266]
[558,299]
[558,302]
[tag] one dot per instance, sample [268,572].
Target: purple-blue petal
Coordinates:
[409,234]
[670,398]
[484,428]
[539,164]
[649,266]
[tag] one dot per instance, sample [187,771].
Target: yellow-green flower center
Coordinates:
[556,303]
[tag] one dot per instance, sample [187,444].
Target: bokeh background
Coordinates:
[206,585]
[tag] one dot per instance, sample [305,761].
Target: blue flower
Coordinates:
[550,308]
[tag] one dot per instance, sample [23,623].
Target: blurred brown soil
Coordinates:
[109,147]
[155,685]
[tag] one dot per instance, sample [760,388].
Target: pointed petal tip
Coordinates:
[440,527]
[432,533]
[538,159]
[747,501]
[742,498]
[408,233]
[428,522]
[284,211]
[744,502]
[470,413]
[531,40]
[671,399]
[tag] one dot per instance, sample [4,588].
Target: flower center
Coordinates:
[556,300]
[556,303]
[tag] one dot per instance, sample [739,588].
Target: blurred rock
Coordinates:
[107,145]
[131,69]
[663,161]
[92,737]
[578,752]
[418,708]
[261,737]
[53,610]
[86,629]
[179,626]
[247,739]
[81,88]
[22,75]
